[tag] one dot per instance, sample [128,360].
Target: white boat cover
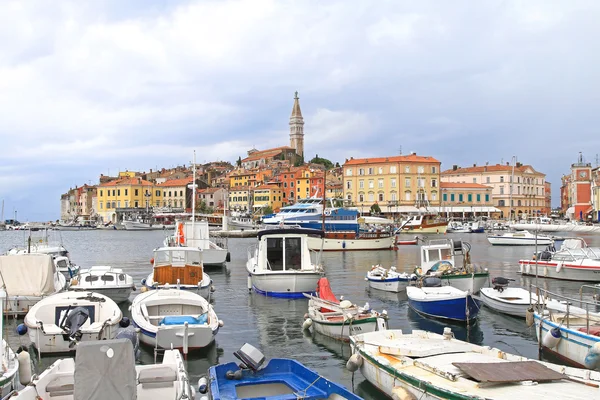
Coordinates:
[27,274]
[105,370]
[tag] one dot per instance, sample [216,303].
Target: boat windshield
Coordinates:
[284,253]
[177,257]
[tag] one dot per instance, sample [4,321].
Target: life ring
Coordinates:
[327,212]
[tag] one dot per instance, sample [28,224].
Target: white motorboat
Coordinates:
[520,238]
[509,300]
[181,266]
[106,280]
[57,323]
[280,265]
[143,225]
[197,234]
[28,278]
[10,363]
[458,227]
[340,319]
[574,261]
[107,370]
[350,240]
[174,318]
[389,280]
[425,365]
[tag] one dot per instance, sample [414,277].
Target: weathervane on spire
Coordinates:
[296,95]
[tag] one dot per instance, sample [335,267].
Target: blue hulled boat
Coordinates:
[280,379]
[443,302]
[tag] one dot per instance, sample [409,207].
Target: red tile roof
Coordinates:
[208,190]
[488,168]
[177,182]
[127,181]
[409,158]
[461,185]
[266,153]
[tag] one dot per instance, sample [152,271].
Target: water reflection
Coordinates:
[471,333]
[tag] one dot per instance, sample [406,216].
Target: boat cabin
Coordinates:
[285,249]
[439,252]
[173,264]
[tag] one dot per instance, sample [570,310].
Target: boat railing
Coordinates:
[576,254]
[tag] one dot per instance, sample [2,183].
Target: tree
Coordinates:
[299,161]
[375,210]
[239,162]
[202,208]
[267,210]
[323,161]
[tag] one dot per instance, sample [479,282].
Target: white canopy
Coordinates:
[375,220]
[27,274]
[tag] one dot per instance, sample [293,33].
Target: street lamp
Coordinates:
[147,195]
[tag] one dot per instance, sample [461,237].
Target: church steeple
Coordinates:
[297,127]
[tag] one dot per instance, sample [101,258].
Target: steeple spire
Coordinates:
[296,109]
[297,127]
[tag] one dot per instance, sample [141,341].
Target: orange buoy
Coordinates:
[152,261]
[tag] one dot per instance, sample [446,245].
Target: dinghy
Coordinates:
[10,363]
[507,300]
[388,280]
[281,379]
[340,320]
[445,302]
[106,280]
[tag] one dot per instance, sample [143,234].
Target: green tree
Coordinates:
[202,208]
[375,210]
[239,162]
[299,161]
[323,161]
[267,210]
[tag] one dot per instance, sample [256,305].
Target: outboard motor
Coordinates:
[129,332]
[500,283]
[432,281]
[72,322]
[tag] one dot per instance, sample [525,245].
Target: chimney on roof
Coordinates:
[474,164]
[519,165]
[507,164]
[414,153]
[485,169]
[454,167]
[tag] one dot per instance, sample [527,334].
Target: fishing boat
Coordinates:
[346,241]
[107,370]
[280,264]
[428,366]
[450,261]
[574,261]
[10,363]
[519,238]
[389,280]
[28,278]
[423,223]
[174,318]
[445,302]
[340,319]
[57,323]
[106,280]
[197,234]
[281,379]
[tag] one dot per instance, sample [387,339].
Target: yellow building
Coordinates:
[126,193]
[397,184]
[267,195]
[241,177]
[239,199]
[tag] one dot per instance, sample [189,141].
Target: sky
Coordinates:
[90,88]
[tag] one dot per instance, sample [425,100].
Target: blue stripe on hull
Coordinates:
[446,309]
[288,295]
[403,280]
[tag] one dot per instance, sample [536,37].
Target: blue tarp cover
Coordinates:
[181,319]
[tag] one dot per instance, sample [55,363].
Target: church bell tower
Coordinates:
[297,128]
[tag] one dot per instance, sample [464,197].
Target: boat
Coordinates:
[340,319]
[450,261]
[181,267]
[196,234]
[106,280]
[406,242]
[445,302]
[280,264]
[389,280]
[574,261]
[569,328]
[507,300]
[174,318]
[27,279]
[57,323]
[142,224]
[280,378]
[107,370]
[10,363]
[519,238]
[458,227]
[242,221]
[423,223]
[350,240]
[428,366]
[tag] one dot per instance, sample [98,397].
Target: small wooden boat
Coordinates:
[281,379]
[106,280]
[443,302]
[339,320]
[425,365]
[388,280]
[423,223]
[507,300]
[519,238]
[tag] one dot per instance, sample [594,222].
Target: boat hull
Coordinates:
[518,241]
[52,341]
[117,294]
[559,270]
[511,301]
[285,284]
[203,290]
[452,309]
[214,256]
[471,283]
[343,330]
[329,244]
[435,228]
[140,226]
[395,285]
[198,337]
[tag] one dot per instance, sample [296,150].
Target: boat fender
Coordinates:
[143,289]
[306,315]
[124,322]
[228,258]
[152,261]
[592,358]
[21,329]
[203,385]
[212,288]
[354,362]
[551,338]
[237,375]
[24,365]
[559,267]
[74,282]
[221,323]
[367,306]
[400,393]
[306,324]
[529,320]
[204,398]
[249,282]
[144,282]
[345,304]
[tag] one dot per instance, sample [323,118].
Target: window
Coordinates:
[434,183]
[501,179]
[445,196]
[380,197]
[118,204]
[420,169]
[460,197]
[501,189]
[101,205]
[348,184]
[380,184]
[407,169]
[371,184]
[470,198]
[478,197]
[433,170]
[136,192]
[393,196]
[500,202]
[474,180]
[361,184]
[291,184]
[393,169]
[434,196]
[118,192]
[361,197]
[452,197]
[370,170]
[126,192]
[487,179]
[393,182]
[407,182]
[371,196]
[407,195]
[421,182]
[180,193]
[101,193]
[114,204]
[361,171]
[380,170]
[487,197]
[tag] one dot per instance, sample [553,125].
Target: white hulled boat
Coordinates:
[174,318]
[389,280]
[519,238]
[57,323]
[280,264]
[106,280]
[10,363]
[350,240]
[196,234]
[423,223]
[28,278]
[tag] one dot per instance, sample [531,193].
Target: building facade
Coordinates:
[267,196]
[176,193]
[466,200]
[126,193]
[578,186]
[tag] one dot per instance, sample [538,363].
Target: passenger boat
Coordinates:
[280,265]
[389,280]
[340,320]
[10,363]
[57,323]
[281,379]
[423,223]
[28,278]
[443,302]
[425,365]
[106,280]
[196,234]
[346,241]
[574,261]
[520,238]
[107,370]
[174,318]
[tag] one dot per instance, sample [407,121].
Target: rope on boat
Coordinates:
[304,391]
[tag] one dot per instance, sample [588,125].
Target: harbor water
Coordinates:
[275,325]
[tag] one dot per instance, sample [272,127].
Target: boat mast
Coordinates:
[512,178]
[324,203]
[194,191]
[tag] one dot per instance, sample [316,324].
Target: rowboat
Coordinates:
[388,280]
[443,302]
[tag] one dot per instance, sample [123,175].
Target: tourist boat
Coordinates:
[107,370]
[388,280]
[450,261]
[520,238]
[28,278]
[569,328]
[57,323]
[445,302]
[428,366]
[340,320]
[10,363]
[423,223]
[281,378]
[181,266]
[196,234]
[106,280]
[174,318]
[345,241]
[280,265]
[574,261]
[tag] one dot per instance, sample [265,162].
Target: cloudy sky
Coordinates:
[97,87]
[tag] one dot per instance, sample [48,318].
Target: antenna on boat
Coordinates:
[193,190]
